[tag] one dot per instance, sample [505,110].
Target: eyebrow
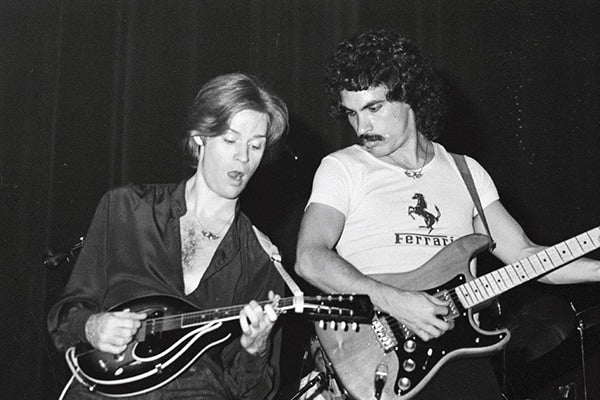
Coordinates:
[239,133]
[369,104]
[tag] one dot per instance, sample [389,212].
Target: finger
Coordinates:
[422,335]
[440,324]
[125,333]
[244,323]
[123,321]
[270,312]
[112,349]
[130,315]
[442,310]
[253,313]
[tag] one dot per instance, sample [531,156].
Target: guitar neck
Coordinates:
[490,285]
[346,308]
[194,318]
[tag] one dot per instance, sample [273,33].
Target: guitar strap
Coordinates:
[461,163]
[273,253]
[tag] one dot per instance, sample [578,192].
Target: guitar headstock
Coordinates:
[339,308]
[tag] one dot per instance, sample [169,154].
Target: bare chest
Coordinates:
[197,252]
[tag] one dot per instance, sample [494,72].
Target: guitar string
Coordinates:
[522,279]
[282,303]
[204,313]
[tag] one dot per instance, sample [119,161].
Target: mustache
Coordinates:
[362,139]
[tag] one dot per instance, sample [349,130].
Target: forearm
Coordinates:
[582,270]
[326,270]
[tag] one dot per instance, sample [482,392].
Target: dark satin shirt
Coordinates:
[133,249]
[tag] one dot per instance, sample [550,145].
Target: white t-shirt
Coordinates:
[395,223]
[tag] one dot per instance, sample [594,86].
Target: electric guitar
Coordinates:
[390,355]
[176,333]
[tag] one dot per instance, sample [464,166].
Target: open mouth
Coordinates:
[236,175]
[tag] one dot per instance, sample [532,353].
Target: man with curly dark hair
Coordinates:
[387,206]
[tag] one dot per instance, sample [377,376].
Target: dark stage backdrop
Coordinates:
[93,95]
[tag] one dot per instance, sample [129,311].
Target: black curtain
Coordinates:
[93,95]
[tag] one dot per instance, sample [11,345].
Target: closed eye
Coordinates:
[257,145]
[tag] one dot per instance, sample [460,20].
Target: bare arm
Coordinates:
[318,263]
[512,244]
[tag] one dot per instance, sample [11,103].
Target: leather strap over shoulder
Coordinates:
[273,253]
[461,163]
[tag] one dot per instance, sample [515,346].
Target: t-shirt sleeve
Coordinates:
[486,189]
[332,185]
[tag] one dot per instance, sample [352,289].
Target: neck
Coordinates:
[205,203]
[414,154]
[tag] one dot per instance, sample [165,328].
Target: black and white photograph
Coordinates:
[300,199]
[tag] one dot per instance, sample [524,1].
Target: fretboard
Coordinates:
[194,318]
[503,279]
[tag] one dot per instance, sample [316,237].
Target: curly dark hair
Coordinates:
[380,57]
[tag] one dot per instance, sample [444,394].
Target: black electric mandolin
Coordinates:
[410,363]
[176,333]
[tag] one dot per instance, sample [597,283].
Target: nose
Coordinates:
[363,125]
[241,153]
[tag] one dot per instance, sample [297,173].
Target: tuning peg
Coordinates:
[354,326]
[321,324]
[332,324]
[343,325]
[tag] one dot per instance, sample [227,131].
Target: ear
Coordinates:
[198,139]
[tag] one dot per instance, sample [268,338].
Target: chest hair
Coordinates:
[196,252]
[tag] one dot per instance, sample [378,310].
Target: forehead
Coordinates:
[356,100]
[249,122]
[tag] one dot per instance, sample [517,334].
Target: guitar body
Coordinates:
[411,362]
[175,333]
[156,356]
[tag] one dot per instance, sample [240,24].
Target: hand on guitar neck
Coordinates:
[257,323]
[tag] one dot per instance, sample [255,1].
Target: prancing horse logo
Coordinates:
[421,209]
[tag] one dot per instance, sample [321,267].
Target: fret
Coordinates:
[586,242]
[554,256]
[498,280]
[472,286]
[482,291]
[493,285]
[520,271]
[574,247]
[544,259]
[565,253]
[528,267]
[464,296]
[537,265]
[595,236]
[506,281]
[514,277]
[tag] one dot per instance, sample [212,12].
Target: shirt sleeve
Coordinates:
[85,288]
[252,377]
[332,185]
[486,189]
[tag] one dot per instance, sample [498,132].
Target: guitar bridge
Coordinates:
[385,337]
